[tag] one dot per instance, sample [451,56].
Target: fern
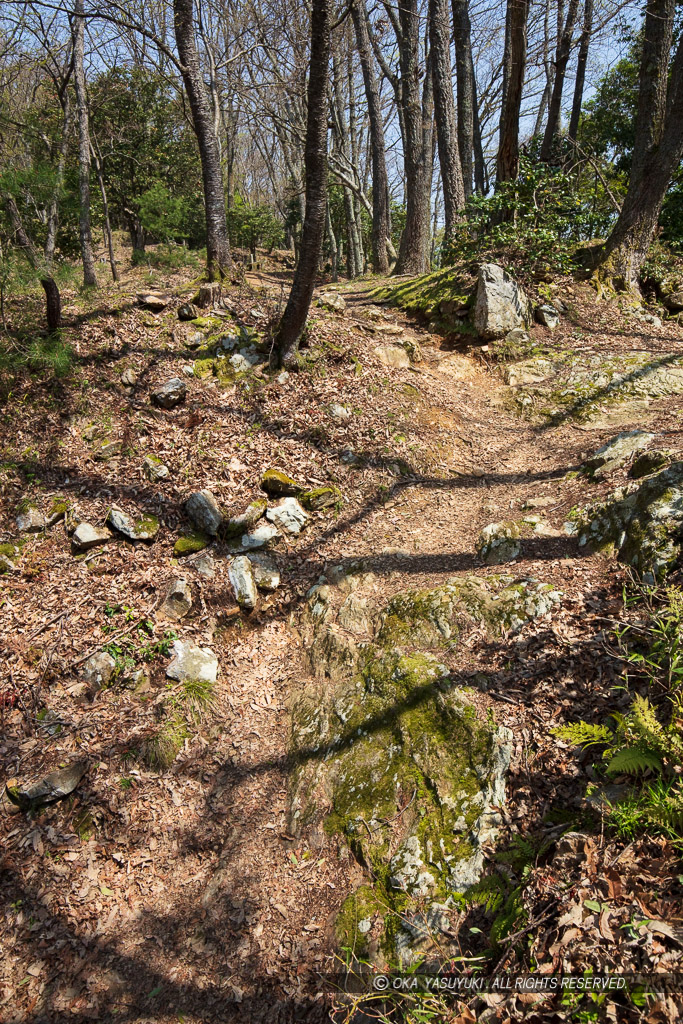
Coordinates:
[584,734]
[633,761]
[489,892]
[652,733]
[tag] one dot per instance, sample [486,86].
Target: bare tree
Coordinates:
[78,28]
[581,63]
[444,110]
[561,60]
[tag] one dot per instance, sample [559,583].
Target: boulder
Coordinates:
[188,311]
[615,453]
[154,469]
[339,412]
[648,463]
[674,301]
[170,394]
[86,536]
[501,305]
[98,670]
[320,497]
[30,520]
[247,519]
[190,544]
[51,788]
[192,663]
[278,485]
[265,571]
[547,316]
[288,515]
[178,600]
[203,510]
[499,542]
[392,355]
[145,528]
[153,301]
[333,301]
[241,577]
[261,537]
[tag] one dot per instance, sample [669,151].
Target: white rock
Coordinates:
[339,412]
[288,515]
[333,301]
[86,536]
[198,663]
[188,370]
[242,579]
[501,305]
[98,669]
[259,537]
[392,355]
[30,521]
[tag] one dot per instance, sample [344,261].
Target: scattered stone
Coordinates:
[527,372]
[241,577]
[188,370]
[194,341]
[288,515]
[203,510]
[91,432]
[188,311]
[192,663]
[129,377]
[333,301]
[190,544]
[674,301]
[240,363]
[649,462]
[339,412]
[320,497]
[545,501]
[178,600]
[392,355]
[170,394]
[499,542]
[30,519]
[86,536]
[145,528]
[248,518]
[109,450]
[53,787]
[153,301]
[205,565]
[501,305]
[517,336]
[615,453]
[547,316]
[266,572]
[283,377]
[260,537]
[277,484]
[98,670]
[154,469]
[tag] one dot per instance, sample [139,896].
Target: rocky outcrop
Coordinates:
[616,453]
[501,305]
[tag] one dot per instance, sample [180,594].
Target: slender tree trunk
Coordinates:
[315,161]
[514,64]
[581,63]
[105,213]
[466,85]
[219,260]
[53,300]
[89,276]
[561,60]
[53,209]
[332,240]
[444,110]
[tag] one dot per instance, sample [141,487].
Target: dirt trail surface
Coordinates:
[165,892]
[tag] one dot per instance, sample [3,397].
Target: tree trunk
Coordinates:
[444,111]
[53,209]
[514,63]
[89,276]
[219,260]
[332,240]
[53,300]
[561,60]
[582,60]
[315,162]
[105,213]
[466,84]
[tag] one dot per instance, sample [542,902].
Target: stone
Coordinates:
[243,583]
[188,370]
[265,570]
[615,453]
[247,519]
[674,301]
[188,311]
[288,515]
[178,600]
[198,664]
[278,485]
[240,363]
[205,565]
[129,377]
[203,510]
[547,316]
[145,528]
[332,301]
[499,542]
[392,355]
[501,304]
[52,787]
[339,412]
[194,340]
[154,469]
[320,497]
[648,463]
[153,301]
[86,536]
[30,520]
[190,544]
[98,670]
[531,371]
[517,336]
[260,537]
[170,394]
[109,450]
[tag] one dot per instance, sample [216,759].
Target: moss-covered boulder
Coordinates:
[616,453]
[320,497]
[190,543]
[279,485]
[499,542]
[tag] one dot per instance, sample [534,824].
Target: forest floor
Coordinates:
[177,894]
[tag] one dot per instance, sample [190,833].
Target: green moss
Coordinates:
[251,515]
[161,750]
[203,368]
[321,497]
[278,484]
[360,908]
[203,323]
[59,506]
[190,543]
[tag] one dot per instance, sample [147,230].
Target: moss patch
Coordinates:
[190,543]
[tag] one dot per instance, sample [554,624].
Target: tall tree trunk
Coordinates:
[381,218]
[105,213]
[53,209]
[467,94]
[561,60]
[332,240]
[89,276]
[657,150]
[417,144]
[514,63]
[219,260]
[53,300]
[581,63]
[444,111]
[315,162]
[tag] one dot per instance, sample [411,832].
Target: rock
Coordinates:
[188,311]
[86,536]
[649,462]
[194,341]
[320,497]
[277,484]
[240,363]
[243,583]
[499,542]
[501,305]
[98,670]
[392,355]
[205,565]
[53,787]
[188,370]
[339,412]
[531,371]
[615,453]
[265,570]
[178,600]
[333,301]
[642,524]
[170,394]
[153,301]
[190,544]
[109,450]
[192,663]
[145,528]
[154,469]
[30,520]
[129,378]
[203,510]
[674,301]
[247,519]
[260,537]
[547,316]
[283,377]
[517,336]
[288,515]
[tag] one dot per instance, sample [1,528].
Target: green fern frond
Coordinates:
[584,734]
[489,892]
[651,733]
[633,761]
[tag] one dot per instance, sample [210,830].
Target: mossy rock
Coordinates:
[648,463]
[244,522]
[161,749]
[203,368]
[59,507]
[208,323]
[321,497]
[190,544]
[279,485]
